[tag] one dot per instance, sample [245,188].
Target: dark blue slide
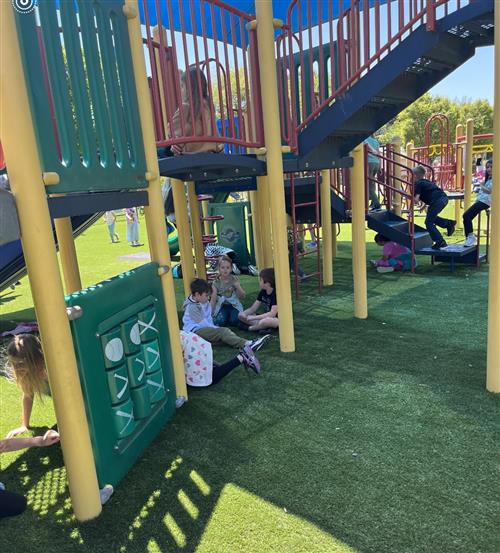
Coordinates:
[12,264]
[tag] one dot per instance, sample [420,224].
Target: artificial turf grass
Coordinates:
[376,435]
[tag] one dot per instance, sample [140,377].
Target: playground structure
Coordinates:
[111,132]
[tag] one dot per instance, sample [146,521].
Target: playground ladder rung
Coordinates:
[213,218]
[204,197]
[305,204]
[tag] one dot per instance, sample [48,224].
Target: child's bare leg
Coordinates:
[268,322]
[243,316]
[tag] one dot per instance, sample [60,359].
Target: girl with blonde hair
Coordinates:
[26,367]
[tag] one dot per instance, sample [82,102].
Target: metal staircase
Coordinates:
[382,88]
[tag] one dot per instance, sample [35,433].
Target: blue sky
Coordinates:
[474,79]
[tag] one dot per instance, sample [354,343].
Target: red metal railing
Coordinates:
[340,184]
[326,57]
[204,76]
[313,228]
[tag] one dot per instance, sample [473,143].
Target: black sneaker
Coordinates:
[439,245]
[451,229]
[259,342]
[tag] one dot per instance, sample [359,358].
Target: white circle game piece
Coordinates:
[135,334]
[114,350]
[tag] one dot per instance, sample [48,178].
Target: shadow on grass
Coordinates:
[378,432]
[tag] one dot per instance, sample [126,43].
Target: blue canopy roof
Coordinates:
[280,11]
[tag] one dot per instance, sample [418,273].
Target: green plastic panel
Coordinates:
[82,93]
[125,366]
[232,232]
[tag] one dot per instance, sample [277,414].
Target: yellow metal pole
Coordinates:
[358,234]
[270,108]
[199,251]
[67,254]
[409,149]
[469,143]
[254,210]
[206,224]
[493,357]
[265,230]
[25,174]
[397,198]
[459,131]
[185,245]
[155,214]
[326,227]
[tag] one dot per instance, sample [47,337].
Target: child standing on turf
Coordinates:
[26,367]
[198,319]
[110,219]
[482,203]
[132,226]
[395,257]
[226,304]
[267,300]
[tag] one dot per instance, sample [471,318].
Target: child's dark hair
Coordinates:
[199,286]
[381,239]
[267,275]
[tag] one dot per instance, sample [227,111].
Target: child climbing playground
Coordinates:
[430,194]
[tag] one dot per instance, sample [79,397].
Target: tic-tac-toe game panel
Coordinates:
[125,365]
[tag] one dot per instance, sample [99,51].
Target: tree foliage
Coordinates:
[410,123]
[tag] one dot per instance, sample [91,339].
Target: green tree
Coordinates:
[410,123]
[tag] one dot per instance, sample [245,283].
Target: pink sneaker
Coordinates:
[249,359]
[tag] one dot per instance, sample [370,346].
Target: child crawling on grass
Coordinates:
[395,257]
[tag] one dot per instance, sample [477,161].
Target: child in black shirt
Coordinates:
[266,299]
[429,193]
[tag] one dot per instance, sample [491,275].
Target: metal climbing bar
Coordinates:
[204,79]
[297,232]
[330,46]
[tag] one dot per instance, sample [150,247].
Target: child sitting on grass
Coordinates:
[199,365]
[197,318]
[395,257]
[267,300]
[226,304]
